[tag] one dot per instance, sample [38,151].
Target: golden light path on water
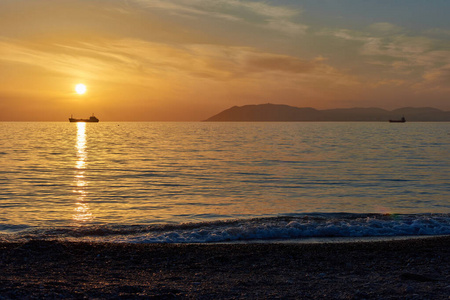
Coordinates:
[107,174]
[82,212]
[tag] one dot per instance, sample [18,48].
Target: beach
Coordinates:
[398,269]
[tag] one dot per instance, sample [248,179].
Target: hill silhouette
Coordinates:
[285,113]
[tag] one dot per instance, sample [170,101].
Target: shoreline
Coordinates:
[329,240]
[415,268]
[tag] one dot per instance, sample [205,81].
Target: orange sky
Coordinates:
[183,60]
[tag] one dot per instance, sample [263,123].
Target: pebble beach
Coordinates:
[397,269]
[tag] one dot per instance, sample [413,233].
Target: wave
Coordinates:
[290,227]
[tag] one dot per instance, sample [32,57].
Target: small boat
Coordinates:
[402,120]
[92,119]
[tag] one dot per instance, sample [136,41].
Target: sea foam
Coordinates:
[259,229]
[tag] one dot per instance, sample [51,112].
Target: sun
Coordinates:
[80,89]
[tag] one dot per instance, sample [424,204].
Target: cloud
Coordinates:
[385,28]
[287,27]
[389,82]
[438,77]
[385,44]
[398,46]
[223,8]
[69,63]
[387,40]
[142,57]
[390,58]
[439,32]
[271,62]
[195,71]
[260,14]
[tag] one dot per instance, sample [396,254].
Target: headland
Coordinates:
[285,113]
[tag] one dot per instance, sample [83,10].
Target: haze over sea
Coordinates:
[215,182]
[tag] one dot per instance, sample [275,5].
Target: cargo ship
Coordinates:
[402,120]
[92,119]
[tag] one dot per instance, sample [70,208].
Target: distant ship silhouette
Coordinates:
[402,120]
[92,119]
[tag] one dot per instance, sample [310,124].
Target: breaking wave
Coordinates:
[315,225]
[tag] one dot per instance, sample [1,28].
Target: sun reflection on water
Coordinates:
[82,211]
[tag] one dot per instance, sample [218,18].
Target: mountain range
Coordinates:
[285,113]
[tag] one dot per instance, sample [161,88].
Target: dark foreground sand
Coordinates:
[406,269]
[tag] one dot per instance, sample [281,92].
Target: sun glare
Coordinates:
[80,89]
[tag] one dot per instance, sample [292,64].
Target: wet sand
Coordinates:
[402,269]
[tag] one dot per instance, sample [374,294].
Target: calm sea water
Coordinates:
[201,182]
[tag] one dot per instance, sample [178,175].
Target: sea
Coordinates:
[208,182]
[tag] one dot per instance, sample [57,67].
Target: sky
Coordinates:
[186,60]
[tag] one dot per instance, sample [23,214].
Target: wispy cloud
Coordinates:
[385,28]
[198,70]
[185,51]
[437,78]
[271,17]
[224,7]
[399,52]
[142,58]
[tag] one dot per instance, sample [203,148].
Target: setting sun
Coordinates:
[80,89]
